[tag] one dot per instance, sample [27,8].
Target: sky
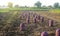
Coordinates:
[28,2]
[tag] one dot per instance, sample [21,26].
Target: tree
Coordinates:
[50,7]
[38,4]
[44,6]
[10,4]
[56,5]
[25,6]
[16,6]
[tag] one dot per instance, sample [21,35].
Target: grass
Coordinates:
[3,10]
[55,10]
[29,8]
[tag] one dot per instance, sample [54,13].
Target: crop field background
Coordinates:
[29,18]
[10,23]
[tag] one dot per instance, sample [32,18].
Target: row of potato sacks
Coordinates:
[35,19]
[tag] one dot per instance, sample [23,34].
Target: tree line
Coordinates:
[38,4]
[55,5]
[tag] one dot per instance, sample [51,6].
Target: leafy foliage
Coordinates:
[38,4]
[10,4]
[56,5]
